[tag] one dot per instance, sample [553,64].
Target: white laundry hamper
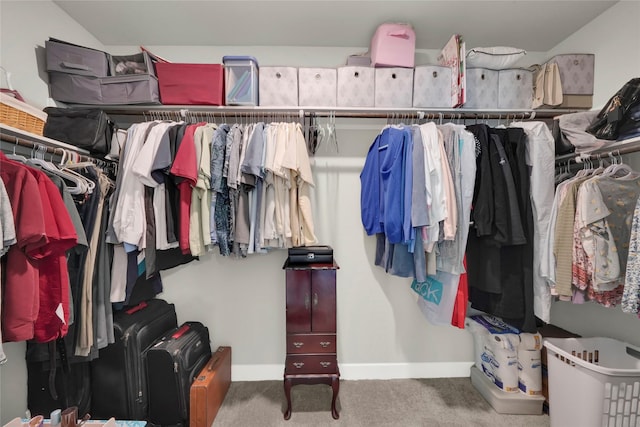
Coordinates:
[593,382]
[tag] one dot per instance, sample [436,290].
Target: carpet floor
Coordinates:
[434,402]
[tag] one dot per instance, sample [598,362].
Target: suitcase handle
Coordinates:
[138,307]
[215,360]
[180,332]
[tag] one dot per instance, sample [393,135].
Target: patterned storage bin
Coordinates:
[576,77]
[482,88]
[515,89]
[317,87]
[432,87]
[576,73]
[394,87]
[356,86]
[278,86]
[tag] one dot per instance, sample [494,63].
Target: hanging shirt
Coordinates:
[7,239]
[200,197]
[185,166]
[252,165]
[21,281]
[218,144]
[434,183]
[304,232]
[129,216]
[540,159]
[53,312]
[385,193]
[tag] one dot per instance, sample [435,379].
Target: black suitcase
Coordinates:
[118,378]
[311,255]
[173,362]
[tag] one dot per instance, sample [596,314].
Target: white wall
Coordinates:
[614,38]
[381,332]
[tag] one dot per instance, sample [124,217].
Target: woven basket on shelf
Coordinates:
[20,115]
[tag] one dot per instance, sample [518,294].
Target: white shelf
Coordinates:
[10,134]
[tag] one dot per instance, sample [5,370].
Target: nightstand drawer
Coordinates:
[299,344]
[311,364]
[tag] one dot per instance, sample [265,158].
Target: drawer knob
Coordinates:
[278,75]
[325,364]
[325,344]
[298,344]
[298,365]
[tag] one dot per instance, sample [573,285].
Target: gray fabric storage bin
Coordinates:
[75,88]
[130,89]
[127,89]
[73,59]
[136,64]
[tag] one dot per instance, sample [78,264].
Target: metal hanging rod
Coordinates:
[617,148]
[338,112]
[43,148]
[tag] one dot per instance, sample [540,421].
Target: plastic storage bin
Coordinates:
[503,402]
[240,80]
[593,382]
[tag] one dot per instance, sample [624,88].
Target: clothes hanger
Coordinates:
[14,156]
[84,181]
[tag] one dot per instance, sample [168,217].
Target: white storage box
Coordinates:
[432,86]
[317,87]
[278,86]
[515,89]
[356,86]
[503,402]
[240,80]
[394,87]
[482,88]
[593,382]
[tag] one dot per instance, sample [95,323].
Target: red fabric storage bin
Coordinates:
[190,84]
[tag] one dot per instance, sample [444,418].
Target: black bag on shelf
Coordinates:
[563,146]
[311,255]
[90,129]
[614,113]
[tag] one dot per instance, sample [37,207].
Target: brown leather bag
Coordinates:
[209,388]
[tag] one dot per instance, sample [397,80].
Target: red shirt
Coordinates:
[20,290]
[53,271]
[184,165]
